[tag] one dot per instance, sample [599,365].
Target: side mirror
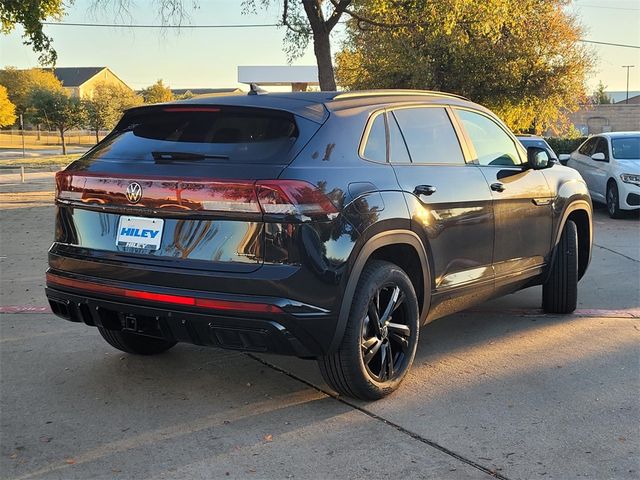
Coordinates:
[564,158]
[538,158]
[598,157]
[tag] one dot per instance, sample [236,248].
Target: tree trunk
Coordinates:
[321,44]
[97,139]
[64,146]
[322,50]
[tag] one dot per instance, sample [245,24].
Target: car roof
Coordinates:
[618,134]
[527,136]
[316,105]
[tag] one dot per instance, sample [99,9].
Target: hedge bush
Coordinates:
[565,145]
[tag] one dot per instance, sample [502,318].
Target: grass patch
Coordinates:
[41,161]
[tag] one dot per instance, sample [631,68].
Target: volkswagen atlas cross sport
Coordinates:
[329,226]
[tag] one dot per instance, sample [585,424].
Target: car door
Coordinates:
[522,201]
[599,169]
[449,201]
[581,161]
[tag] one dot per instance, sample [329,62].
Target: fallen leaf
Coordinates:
[268,438]
[70,461]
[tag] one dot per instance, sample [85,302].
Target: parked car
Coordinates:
[324,225]
[535,141]
[610,165]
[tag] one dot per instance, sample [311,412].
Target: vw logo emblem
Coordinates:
[134,192]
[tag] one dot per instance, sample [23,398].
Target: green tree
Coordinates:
[30,14]
[58,110]
[20,83]
[157,93]
[305,21]
[600,96]
[105,107]
[7,109]
[522,58]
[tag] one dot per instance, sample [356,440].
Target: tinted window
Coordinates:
[587,147]
[429,135]
[602,147]
[183,133]
[535,142]
[493,145]
[398,149]
[376,147]
[627,148]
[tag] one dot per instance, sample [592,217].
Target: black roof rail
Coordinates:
[395,92]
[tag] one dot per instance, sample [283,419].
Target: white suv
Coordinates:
[610,165]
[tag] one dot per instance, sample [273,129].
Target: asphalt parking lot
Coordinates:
[498,391]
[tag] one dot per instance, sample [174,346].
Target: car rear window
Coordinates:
[210,134]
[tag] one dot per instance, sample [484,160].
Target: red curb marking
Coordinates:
[24,309]
[587,312]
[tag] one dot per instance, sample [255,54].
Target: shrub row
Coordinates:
[565,145]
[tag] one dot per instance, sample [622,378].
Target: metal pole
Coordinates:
[22,131]
[22,173]
[628,67]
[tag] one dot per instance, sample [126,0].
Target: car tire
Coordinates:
[613,200]
[133,343]
[560,291]
[373,358]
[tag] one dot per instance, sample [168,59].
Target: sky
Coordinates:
[192,58]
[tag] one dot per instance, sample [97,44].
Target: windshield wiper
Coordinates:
[167,157]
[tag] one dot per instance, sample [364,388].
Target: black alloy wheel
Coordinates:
[386,334]
[381,335]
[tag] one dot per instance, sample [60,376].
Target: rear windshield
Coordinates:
[203,134]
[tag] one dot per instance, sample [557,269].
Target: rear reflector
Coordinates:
[223,305]
[274,197]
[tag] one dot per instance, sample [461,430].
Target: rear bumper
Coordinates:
[286,329]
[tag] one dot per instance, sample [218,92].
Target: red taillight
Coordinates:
[225,305]
[292,197]
[273,197]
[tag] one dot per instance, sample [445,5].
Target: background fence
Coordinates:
[34,139]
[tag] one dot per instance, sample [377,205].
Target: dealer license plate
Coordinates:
[140,232]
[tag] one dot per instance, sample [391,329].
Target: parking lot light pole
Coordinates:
[628,67]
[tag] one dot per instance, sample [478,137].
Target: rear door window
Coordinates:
[398,152]
[376,146]
[192,133]
[429,135]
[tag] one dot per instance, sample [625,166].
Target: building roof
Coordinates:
[205,91]
[76,76]
[635,100]
[278,75]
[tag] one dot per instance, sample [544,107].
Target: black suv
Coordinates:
[323,225]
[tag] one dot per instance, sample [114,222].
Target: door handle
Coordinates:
[425,190]
[497,187]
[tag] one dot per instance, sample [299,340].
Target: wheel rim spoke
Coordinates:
[398,302]
[399,329]
[389,361]
[383,362]
[374,317]
[390,306]
[400,340]
[369,349]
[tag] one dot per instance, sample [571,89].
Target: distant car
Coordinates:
[610,165]
[535,141]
